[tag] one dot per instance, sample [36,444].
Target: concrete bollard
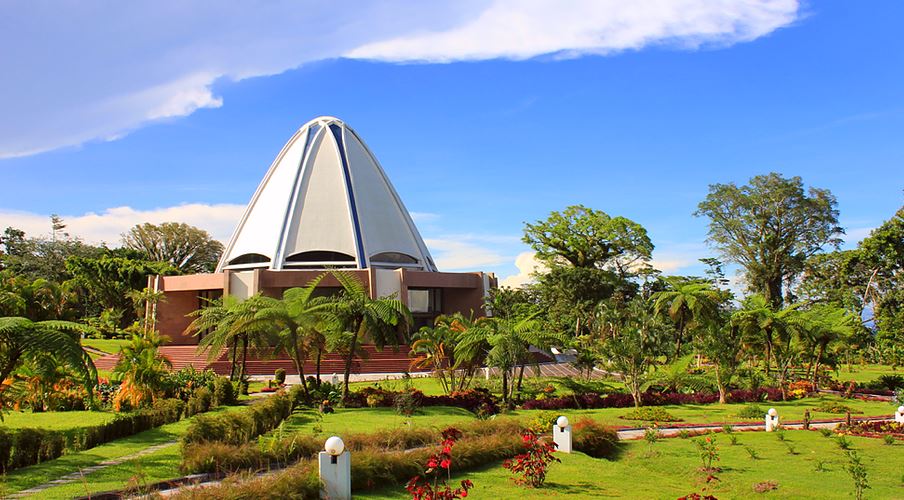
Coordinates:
[771,420]
[561,435]
[899,415]
[335,470]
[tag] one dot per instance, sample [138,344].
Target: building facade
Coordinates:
[325,203]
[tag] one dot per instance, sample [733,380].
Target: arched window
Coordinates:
[320,256]
[393,258]
[250,258]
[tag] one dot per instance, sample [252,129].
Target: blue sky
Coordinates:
[485,115]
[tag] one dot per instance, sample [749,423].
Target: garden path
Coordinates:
[80,474]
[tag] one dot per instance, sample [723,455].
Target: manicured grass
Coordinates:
[673,471]
[109,346]
[355,420]
[56,420]
[28,477]
[866,373]
[727,413]
[428,385]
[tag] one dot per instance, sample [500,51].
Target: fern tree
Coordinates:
[383,321]
[688,305]
[22,339]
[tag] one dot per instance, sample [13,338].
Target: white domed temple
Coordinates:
[325,203]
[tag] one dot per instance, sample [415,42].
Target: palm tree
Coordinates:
[823,326]
[22,339]
[504,343]
[382,320]
[688,305]
[777,330]
[142,370]
[434,349]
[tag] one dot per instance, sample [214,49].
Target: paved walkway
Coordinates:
[80,474]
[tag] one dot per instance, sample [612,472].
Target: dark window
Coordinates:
[250,258]
[206,298]
[425,300]
[393,258]
[320,256]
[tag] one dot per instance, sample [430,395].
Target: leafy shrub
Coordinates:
[622,400]
[543,422]
[752,411]
[279,376]
[649,414]
[223,392]
[406,403]
[200,402]
[843,443]
[438,465]
[889,382]
[239,427]
[183,383]
[594,439]
[833,407]
[533,464]
[708,451]
[826,432]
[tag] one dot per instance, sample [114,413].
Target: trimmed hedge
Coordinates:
[240,427]
[479,401]
[24,447]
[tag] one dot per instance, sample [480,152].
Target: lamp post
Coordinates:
[561,434]
[335,470]
[771,420]
[899,415]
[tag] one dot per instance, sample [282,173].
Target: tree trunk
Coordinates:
[505,398]
[721,384]
[235,351]
[520,377]
[319,354]
[244,360]
[679,335]
[348,362]
[819,355]
[299,366]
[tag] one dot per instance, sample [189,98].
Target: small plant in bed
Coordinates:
[834,407]
[650,414]
[752,411]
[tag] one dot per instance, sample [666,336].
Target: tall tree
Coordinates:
[777,330]
[584,237]
[187,248]
[770,227]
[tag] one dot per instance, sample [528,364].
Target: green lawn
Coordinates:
[727,413]
[359,420]
[428,385]
[673,471]
[865,373]
[110,346]
[164,468]
[56,420]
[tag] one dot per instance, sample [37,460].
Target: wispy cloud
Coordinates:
[108,226]
[93,71]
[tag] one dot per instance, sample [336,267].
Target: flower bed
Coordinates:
[876,429]
[622,400]
[479,401]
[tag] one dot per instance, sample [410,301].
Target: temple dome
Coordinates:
[325,202]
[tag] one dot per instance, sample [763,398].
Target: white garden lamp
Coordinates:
[335,470]
[899,415]
[771,420]
[561,434]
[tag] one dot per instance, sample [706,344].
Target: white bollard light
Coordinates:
[771,420]
[899,415]
[561,435]
[335,470]
[334,380]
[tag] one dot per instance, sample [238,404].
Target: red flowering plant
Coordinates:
[534,463]
[433,483]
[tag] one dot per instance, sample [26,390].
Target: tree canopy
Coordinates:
[770,227]
[187,248]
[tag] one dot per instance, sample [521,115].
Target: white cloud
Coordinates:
[527,264]
[520,29]
[108,226]
[467,252]
[82,71]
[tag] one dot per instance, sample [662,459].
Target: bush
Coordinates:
[831,407]
[752,411]
[594,439]
[279,376]
[199,402]
[182,384]
[622,400]
[223,392]
[240,427]
[406,403]
[649,414]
